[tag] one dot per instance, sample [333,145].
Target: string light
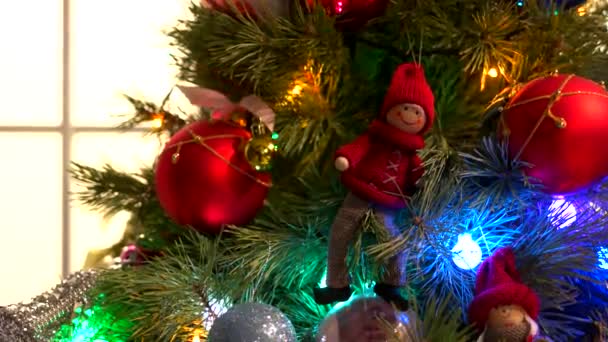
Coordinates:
[196,335]
[339,7]
[602,255]
[297,90]
[492,72]
[466,254]
[581,11]
[561,212]
[158,121]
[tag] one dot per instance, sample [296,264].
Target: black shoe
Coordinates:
[328,295]
[392,295]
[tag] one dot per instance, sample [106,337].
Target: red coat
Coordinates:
[383,165]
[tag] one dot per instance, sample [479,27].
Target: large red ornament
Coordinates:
[277,8]
[204,180]
[353,14]
[559,124]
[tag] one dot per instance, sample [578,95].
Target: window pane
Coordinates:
[120,47]
[125,152]
[31,67]
[30,207]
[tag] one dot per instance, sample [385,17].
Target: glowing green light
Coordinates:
[93,325]
[340,305]
[556,12]
[275,136]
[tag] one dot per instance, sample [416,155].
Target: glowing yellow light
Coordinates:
[158,121]
[297,90]
[582,11]
[196,335]
[493,72]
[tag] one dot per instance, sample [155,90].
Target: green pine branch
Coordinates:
[109,190]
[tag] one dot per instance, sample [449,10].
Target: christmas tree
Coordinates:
[430,162]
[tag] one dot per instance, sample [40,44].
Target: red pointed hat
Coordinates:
[409,85]
[498,283]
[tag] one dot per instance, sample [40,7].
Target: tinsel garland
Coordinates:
[40,319]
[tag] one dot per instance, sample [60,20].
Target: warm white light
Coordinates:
[562,213]
[493,72]
[297,90]
[196,336]
[582,11]
[466,254]
[158,122]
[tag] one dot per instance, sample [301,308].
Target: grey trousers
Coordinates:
[342,234]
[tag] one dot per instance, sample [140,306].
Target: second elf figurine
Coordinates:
[381,169]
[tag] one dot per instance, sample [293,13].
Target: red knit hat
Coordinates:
[498,284]
[409,86]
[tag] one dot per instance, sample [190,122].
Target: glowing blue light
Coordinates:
[603,258]
[562,213]
[466,254]
[520,3]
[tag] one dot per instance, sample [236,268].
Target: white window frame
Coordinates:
[67,132]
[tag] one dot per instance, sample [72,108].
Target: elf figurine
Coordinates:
[504,309]
[381,169]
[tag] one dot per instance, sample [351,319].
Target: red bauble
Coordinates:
[277,8]
[353,14]
[136,256]
[559,124]
[204,180]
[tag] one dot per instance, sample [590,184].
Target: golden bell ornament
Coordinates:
[260,151]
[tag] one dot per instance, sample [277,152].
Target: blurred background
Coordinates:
[65,66]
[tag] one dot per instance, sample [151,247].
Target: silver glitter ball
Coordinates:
[252,322]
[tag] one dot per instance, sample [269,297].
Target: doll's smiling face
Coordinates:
[408,117]
[506,316]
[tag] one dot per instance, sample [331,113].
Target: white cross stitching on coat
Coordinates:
[390,178]
[393,165]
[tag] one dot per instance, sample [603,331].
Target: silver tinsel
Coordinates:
[252,322]
[40,319]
